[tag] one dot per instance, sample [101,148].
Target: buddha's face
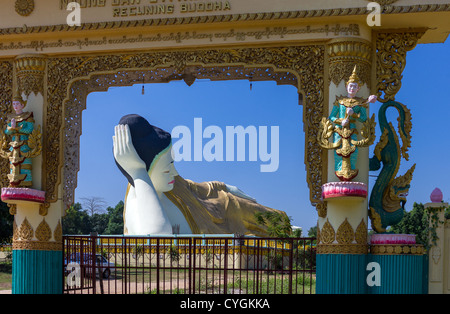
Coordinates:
[163,172]
[352,89]
[18,106]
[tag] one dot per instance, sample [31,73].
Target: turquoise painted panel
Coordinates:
[37,272]
[341,274]
[400,274]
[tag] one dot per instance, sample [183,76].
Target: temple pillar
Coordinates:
[342,223]
[37,230]
[439,270]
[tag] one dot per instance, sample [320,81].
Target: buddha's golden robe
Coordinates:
[210,209]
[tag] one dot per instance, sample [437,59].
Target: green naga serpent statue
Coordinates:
[388,196]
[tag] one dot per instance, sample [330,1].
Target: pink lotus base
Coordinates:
[9,195]
[393,239]
[343,189]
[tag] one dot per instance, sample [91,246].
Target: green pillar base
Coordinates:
[401,274]
[347,274]
[341,273]
[37,272]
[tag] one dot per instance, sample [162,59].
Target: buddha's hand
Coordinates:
[125,153]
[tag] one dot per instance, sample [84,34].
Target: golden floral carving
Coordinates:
[361,233]
[384,2]
[82,74]
[58,234]
[318,233]
[344,55]
[26,231]
[327,235]
[6,95]
[23,237]
[321,208]
[342,249]
[15,231]
[30,73]
[345,233]
[24,7]
[37,245]
[43,231]
[12,209]
[391,49]
[345,239]
[375,219]
[397,249]
[43,209]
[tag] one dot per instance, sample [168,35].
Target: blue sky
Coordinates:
[232,103]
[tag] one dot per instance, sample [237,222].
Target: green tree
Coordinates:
[6,222]
[414,222]
[312,232]
[76,220]
[278,225]
[99,223]
[296,232]
[115,222]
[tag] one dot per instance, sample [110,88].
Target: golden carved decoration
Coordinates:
[15,231]
[384,140]
[390,197]
[384,2]
[302,66]
[345,237]
[327,234]
[30,73]
[43,209]
[58,234]
[345,233]
[361,233]
[318,233]
[24,7]
[321,208]
[208,19]
[25,232]
[397,249]
[375,220]
[37,245]
[12,209]
[23,237]
[6,95]
[391,49]
[43,231]
[342,249]
[344,55]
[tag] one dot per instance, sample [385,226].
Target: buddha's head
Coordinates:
[154,147]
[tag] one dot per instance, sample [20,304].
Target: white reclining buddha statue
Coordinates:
[158,198]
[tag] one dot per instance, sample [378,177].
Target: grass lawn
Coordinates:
[206,280]
[5,276]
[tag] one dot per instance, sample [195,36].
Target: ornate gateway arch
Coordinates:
[55,62]
[300,66]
